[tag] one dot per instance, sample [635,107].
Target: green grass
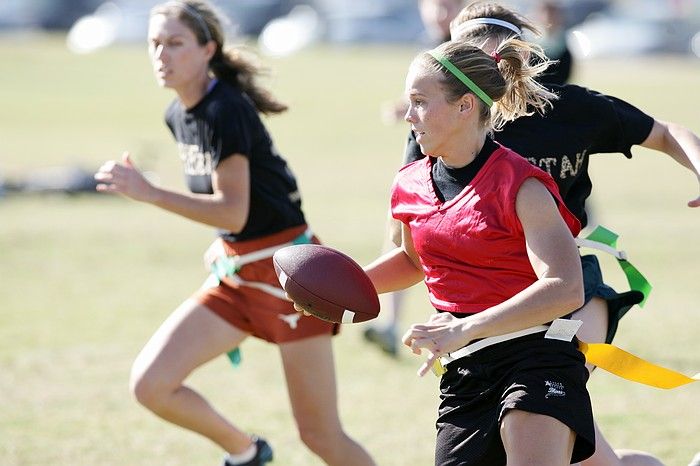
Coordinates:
[84,280]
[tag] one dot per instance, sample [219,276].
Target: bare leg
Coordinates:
[595,326]
[637,458]
[310,373]
[190,337]
[595,323]
[531,439]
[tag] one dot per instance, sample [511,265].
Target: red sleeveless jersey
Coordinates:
[472,248]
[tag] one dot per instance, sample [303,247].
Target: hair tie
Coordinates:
[496,57]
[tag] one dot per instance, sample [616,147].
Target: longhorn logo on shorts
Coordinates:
[554,389]
[291,319]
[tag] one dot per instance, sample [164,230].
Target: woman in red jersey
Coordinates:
[580,124]
[492,240]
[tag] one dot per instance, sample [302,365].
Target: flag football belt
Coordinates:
[481,344]
[439,367]
[605,240]
[225,266]
[605,356]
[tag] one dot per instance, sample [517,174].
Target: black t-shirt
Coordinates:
[449,182]
[582,122]
[559,72]
[223,123]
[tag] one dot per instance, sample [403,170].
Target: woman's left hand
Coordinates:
[124,178]
[441,334]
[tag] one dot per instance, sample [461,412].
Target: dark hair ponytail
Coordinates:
[240,71]
[507,78]
[227,64]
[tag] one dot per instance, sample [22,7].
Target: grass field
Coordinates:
[84,280]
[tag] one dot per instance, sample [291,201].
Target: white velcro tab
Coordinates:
[212,281]
[283,279]
[563,329]
[348,317]
[216,248]
[587,243]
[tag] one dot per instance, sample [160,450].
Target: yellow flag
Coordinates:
[630,367]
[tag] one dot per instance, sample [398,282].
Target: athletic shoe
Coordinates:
[262,456]
[695,461]
[384,338]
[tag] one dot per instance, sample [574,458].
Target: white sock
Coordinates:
[245,456]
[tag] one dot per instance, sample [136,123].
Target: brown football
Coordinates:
[326,283]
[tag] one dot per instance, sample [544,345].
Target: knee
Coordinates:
[147,389]
[312,437]
[319,440]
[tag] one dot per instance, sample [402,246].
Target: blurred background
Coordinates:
[595,27]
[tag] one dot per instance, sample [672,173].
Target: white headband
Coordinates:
[197,16]
[461,28]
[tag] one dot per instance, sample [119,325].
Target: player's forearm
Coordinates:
[688,147]
[678,142]
[209,209]
[393,271]
[543,301]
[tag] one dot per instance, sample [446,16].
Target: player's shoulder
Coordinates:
[224,91]
[226,102]
[224,96]
[575,103]
[504,161]
[411,168]
[572,94]
[509,167]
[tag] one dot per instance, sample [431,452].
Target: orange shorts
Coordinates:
[255,311]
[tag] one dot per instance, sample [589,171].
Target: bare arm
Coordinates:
[557,291]
[398,268]
[226,208]
[679,143]
[394,230]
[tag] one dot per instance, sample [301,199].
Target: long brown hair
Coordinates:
[507,77]
[229,64]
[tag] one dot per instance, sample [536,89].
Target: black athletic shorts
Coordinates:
[531,374]
[618,303]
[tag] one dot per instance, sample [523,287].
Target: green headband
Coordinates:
[462,77]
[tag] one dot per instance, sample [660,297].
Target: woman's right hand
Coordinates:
[441,334]
[297,307]
[124,178]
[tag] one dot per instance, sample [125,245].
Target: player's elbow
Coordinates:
[572,292]
[235,218]
[566,292]
[235,227]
